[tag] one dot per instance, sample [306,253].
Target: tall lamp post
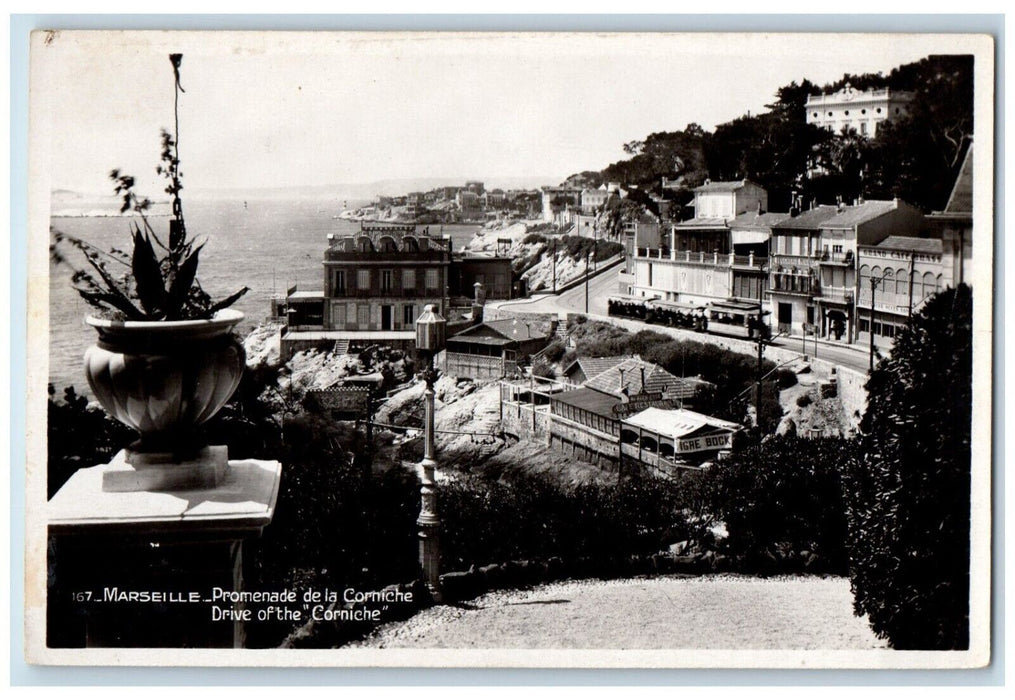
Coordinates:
[875,281]
[431,328]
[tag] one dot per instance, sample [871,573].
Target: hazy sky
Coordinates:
[316,109]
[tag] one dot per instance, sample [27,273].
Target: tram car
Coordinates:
[734,318]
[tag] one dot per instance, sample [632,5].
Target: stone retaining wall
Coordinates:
[520,420]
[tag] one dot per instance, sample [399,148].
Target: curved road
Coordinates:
[666,612]
[606,284]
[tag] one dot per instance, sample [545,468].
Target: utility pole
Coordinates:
[587,281]
[554,242]
[761,347]
[874,286]
[912,265]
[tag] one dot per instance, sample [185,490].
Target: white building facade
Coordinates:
[862,111]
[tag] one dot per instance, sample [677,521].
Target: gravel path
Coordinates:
[709,612]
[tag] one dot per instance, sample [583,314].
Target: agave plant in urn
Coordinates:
[166,359]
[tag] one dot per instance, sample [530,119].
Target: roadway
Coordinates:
[601,286]
[607,283]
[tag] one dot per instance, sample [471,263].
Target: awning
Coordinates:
[678,423]
[750,237]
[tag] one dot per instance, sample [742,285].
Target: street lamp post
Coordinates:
[870,330]
[430,335]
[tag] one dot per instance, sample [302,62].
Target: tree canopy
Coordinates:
[908,490]
[915,158]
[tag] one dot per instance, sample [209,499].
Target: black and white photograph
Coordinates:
[640,350]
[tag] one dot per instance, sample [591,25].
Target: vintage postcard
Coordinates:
[523,350]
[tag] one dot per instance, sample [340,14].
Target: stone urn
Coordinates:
[165,378]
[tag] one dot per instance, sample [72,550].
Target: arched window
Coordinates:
[364,245]
[411,244]
[387,244]
[901,281]
[929,284]
[865,276]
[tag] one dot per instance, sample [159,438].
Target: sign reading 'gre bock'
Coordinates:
[723,441]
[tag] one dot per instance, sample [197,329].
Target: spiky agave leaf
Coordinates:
[151,290]
[180,286]
[228,301]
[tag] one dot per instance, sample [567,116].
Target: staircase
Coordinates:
[341,347]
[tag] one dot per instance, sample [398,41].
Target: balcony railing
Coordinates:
[803,262]
[828,258]
[700,258]
[339,255]
[749,261]
[789,283]
[840,294]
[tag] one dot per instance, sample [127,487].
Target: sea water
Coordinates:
[266,245]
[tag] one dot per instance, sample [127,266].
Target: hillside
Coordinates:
[914,158]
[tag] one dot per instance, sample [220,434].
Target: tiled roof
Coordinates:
[961,199]
[702,222]
[721,186]
[754,220]
[809,219]
[911,244]
[591,366]
[626,377]
[589,400]
[509,328]
[860,213]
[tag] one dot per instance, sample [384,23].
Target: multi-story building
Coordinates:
[724,200]
[560,204]
[813,262]
[381,278]
[496,198]
[905,271]
[414,203]
[475,186]
[718,256]
[592,200]
[863,111]
[376,284]
[466,199]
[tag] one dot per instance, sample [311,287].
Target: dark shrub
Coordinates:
[804,400]
[784,494]
[909,504]
[79,436]
[542,368]
[554,351]
[785,378]
[534,238]
[530,517]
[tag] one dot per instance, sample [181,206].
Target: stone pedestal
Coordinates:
[137,547]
